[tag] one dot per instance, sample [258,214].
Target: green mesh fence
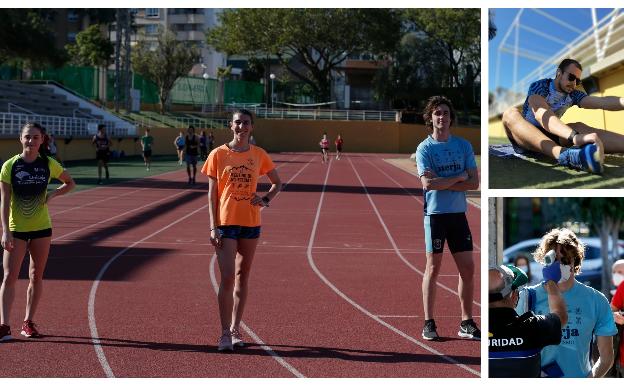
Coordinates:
[9,73]
[240,91]
[195,91]
[82,80]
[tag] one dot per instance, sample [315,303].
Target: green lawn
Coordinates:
[544,173]
[129,168]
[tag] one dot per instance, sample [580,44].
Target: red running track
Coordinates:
[335,287]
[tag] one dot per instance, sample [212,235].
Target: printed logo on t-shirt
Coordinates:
[240,178]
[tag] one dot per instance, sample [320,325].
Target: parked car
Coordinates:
[591,271]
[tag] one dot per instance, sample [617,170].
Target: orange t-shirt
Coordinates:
[237,176]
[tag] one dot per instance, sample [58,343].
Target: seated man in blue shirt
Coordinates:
[447,169]
[589,313]
[538,127]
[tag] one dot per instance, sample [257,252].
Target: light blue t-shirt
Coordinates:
[559,102]
[446,159]
[589,314]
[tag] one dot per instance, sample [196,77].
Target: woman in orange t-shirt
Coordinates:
[234,208]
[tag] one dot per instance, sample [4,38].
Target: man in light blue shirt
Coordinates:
[589,313]
[447,169]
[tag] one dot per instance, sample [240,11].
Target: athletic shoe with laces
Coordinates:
[468,329]
[429,330]
[590,158]
[5,332]
[29,330]
[225,342]
[237,338]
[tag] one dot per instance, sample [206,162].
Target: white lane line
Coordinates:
[391,239]
[254,336]
[421,316]
[99,351]
[358,306]
[415,196]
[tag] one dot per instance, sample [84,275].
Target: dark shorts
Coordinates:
[339,148]
[238,232]
[28,235]
[323,149]
[451,227]
[180,148]
[102,155]
[190,159]
[147,153]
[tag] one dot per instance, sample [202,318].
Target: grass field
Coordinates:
[544,173]
[85,172]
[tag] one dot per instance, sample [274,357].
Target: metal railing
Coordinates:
[262,111]
[11,123]
[180,122]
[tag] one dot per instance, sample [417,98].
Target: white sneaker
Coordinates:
[225,342]
[237,339]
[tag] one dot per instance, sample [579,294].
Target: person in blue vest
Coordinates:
[515,340]
[538,128]
[447,169]
[589,313]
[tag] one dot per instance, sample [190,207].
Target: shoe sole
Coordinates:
[30,335]
[6,338]
[468,336]
[595,159]
[239,344]
[430,338]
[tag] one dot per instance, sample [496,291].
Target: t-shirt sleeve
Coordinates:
[577,96]
[605,324]
[470,157]
[266,164]
[5,174]
[539,87]
[55,168]
[422,161]
[210,166]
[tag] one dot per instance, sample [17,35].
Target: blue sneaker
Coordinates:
[587,158]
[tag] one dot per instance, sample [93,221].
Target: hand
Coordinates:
[552,288]
[7,240]
[215,238]
[257,201]
[618,317]
[552,272]
[429,174]
[463,176]
[582,139]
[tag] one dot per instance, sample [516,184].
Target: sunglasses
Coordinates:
[573,78]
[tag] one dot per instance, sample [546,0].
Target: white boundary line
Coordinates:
[358,306]
[391,239]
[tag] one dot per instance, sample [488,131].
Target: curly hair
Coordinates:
[570,247]
[432,104]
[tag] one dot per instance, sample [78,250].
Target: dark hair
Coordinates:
[433,103]
[243,111]
[528,263]
[566,62]
[101,126]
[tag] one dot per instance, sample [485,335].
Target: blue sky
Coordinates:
[579,18]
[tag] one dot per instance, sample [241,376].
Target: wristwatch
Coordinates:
[265,200]
[572,135]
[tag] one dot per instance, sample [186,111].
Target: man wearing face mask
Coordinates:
[617,305]
[588,311]
[515,341]
[538,128]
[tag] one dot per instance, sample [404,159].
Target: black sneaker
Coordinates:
[468,329]
[429,330]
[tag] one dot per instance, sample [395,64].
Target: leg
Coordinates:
[527,135]
[244,258]
[613,142]
[465,286]
[39,250]
[11,261]
[106,168]
[226,255]
[434,261]
[194,171]
[100,169]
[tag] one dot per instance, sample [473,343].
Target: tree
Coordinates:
[170,60]
[457,33]
[309,43]
[25,34]
[91,48]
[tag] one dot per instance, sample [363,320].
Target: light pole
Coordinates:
[205,76]
[272,76]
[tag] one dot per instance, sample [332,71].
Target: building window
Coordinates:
[71,37]
[152,12]
[72,16]
[151,29]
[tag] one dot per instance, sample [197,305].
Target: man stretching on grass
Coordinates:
[538,127]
